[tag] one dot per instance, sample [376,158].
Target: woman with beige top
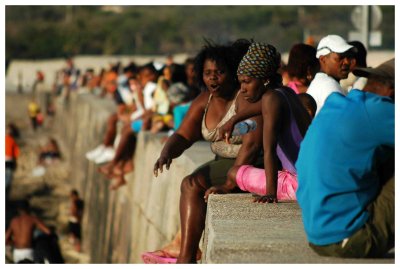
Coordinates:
[215,69]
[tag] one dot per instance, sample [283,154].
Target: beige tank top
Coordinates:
[221,148]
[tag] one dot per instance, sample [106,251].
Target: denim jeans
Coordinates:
[9,176]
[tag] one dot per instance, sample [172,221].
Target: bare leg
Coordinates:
[123,167]
[128,166]
[118,182]
[146,125]
[118,169]
[124,152]
[227,187]
[193,214]
[173,248]
[156,127]
[111,131]
[126,136]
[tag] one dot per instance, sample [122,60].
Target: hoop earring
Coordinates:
[266,83]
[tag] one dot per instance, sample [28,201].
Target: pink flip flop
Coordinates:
[151,258]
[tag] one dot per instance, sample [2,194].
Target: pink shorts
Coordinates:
[252,180]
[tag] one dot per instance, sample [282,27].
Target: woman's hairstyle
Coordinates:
[302,60]
[228,56]
[177,72]
[360,53]
[262,61]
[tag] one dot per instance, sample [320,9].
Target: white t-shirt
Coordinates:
[148,94]
[321,87]
[148,100]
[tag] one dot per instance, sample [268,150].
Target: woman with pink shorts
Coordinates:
[285,122]
[252,179]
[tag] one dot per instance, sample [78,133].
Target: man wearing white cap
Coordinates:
[334,55]
[345,170]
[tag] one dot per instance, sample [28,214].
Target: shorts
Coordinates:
[75,229]
[20,254]
[136,125]
[165,119]
[252,179]
[215,170]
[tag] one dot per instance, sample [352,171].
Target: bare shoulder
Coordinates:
[201,100]
[13,222]
[198,105]
[241,102]
[190,128]
[271,98]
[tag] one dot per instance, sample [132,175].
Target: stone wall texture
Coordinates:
[144,215]
[140,216]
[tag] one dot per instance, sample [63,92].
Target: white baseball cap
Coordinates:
[332,43]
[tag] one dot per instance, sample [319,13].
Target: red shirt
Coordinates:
[12,149]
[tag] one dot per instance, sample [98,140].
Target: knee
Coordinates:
[193,184]
[233,172]
[126,129]
[113,119]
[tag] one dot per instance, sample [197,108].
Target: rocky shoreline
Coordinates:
[48,194]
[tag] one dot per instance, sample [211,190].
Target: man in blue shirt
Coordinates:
[346,170]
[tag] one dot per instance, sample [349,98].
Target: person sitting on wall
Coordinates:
[346,164]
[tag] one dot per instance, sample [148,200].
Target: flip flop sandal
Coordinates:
[151,258]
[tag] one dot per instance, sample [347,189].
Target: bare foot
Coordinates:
[169,253]
[119,181]
[128,166]
[107,169]
[157,126]
[172,250]
[118,169]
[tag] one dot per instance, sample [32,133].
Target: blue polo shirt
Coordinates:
[336,164]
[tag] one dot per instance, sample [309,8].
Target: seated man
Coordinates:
[334,55]
[346,170]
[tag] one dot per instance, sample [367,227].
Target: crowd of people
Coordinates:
[324,136]
[316,140]
[147,99]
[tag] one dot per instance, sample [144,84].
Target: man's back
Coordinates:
[22,228]
[336,164]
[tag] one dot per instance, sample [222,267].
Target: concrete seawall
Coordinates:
[239,231]
[144,215]
[141,216]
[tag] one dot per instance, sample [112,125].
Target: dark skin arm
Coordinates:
[249,110]
[124,112]
[41,226]
[188,133]
[9,233]
[272,112]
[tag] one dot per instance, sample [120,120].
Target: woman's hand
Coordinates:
[163,160]
[269,198]
[225,131]
[215,190]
